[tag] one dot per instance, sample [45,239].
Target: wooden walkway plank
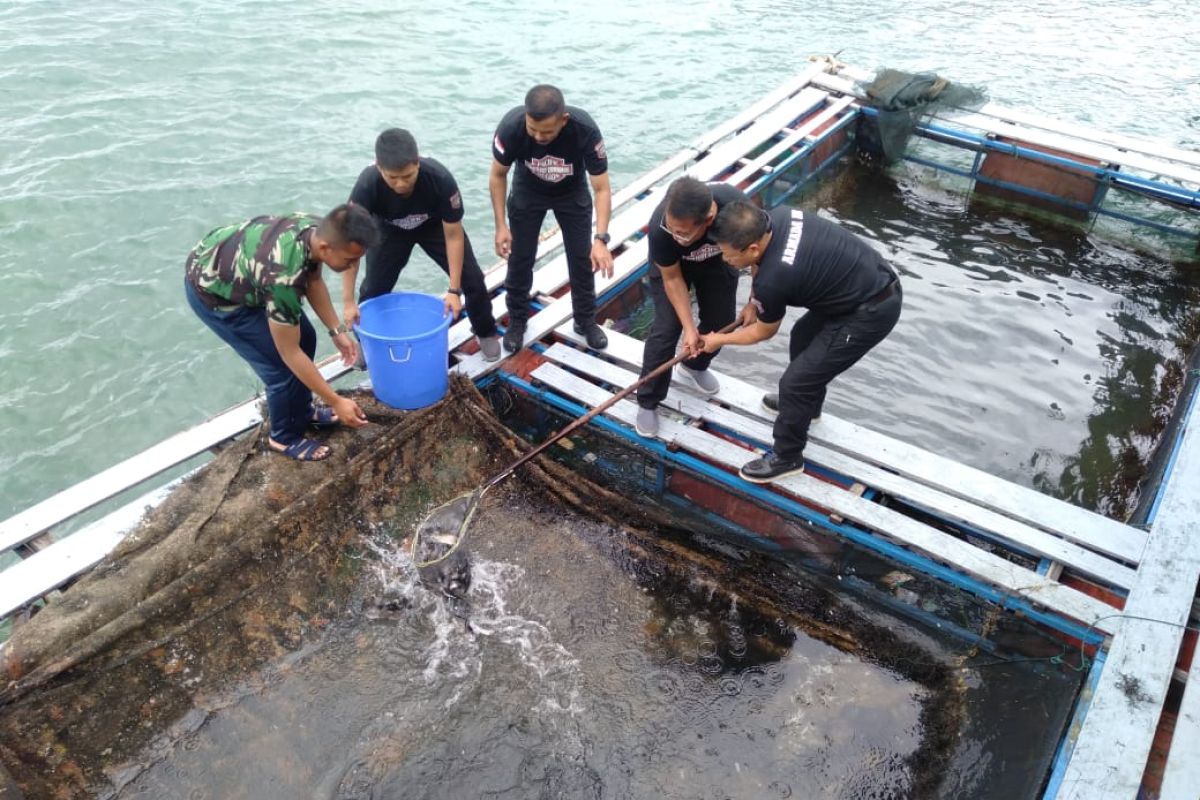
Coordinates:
[78,498]
[1016,533]
[1115,739]
[1085,528]
[1181,779]
[46,570]
[1006,576]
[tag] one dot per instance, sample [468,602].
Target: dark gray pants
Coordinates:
[716,296]
[821,348]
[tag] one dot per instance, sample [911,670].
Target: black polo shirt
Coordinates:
[666,252]
[555,169]
[435,199]
[815,264]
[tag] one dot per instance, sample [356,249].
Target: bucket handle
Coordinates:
[407,355]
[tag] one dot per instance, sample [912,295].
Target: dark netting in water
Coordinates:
[263,634]
[902,100]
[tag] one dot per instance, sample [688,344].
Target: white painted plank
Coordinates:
[48,569]
[25,525]
[1157,159]
[1085,528]
[1181,778]
[1016,533]
[933,543]
[1115,739]
[793,137]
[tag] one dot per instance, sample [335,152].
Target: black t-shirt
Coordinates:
[555,169]
[816,264]
[666,252]
[435,198]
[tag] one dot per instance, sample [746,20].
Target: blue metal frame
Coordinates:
[1191,417]
[1105,176]
[858,536]
[1066,745]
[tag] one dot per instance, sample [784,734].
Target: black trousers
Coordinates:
[821,348]
[573,212]
[386,260]
[716,296]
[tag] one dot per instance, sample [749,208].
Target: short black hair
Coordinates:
[395,148]
[740,224]
[689,199]
[544,101]
[349,224]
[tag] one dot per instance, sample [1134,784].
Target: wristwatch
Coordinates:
[341,328]
[457,292]
[603,237]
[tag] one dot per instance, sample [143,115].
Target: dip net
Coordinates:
[263,634]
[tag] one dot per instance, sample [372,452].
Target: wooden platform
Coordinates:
[1106,753]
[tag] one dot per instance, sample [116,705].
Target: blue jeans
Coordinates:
[289,402]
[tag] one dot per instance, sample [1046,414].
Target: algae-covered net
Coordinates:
[264,634]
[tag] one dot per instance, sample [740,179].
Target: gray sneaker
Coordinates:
[703,380]
[490,347]
[647,422]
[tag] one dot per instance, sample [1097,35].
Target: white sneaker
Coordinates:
[647,422]
[703,380]
[490,347]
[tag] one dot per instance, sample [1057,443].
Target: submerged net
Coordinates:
[902,100]
[259,567]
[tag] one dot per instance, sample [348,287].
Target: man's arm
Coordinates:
[455,247]
[602,260]
[677,292]
[287,342]
[322,304]
[751,334]
[498,186]
[350,311]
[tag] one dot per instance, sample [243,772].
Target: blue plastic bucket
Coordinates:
[405,339]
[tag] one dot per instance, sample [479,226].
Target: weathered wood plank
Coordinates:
[942,547]
[1181,779]
[1115,739]
[48,569]
[1085,528]
[1016,533]
[78,498]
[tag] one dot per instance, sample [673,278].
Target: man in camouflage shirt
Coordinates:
[247,283]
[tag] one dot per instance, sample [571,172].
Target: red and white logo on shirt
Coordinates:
[600,151]
[499,145]
[551,169]
[703,253]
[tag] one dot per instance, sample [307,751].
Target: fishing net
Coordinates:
[902,100]
[259,568]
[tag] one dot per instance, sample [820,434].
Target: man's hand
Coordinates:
[602,260]
[712,342]
[693,344]
[350,313]
[348,412]
[503,241]
[452,303]
[346,345]
[749,314]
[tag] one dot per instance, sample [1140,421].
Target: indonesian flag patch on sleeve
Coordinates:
[499,145]
[600,151]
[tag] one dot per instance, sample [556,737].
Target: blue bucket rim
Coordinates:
[445,323]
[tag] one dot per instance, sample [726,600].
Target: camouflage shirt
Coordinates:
[263,263]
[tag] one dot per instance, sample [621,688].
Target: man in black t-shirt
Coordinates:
[853,299]
[683,256]
[552,145]
[417,202]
